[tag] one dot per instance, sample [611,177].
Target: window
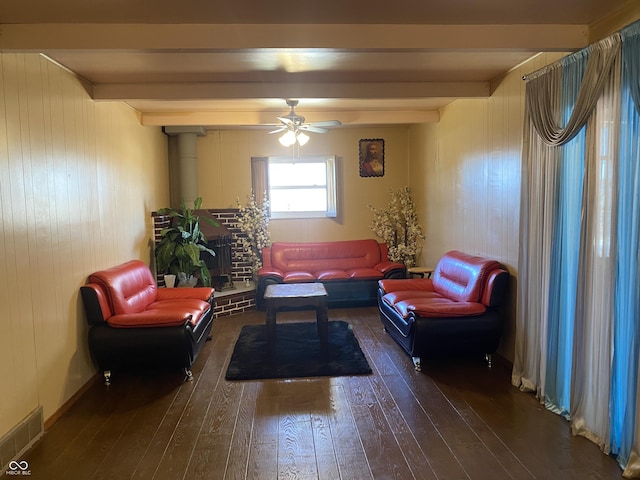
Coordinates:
[304,187]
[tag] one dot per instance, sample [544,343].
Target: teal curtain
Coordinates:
[565,246]
[578,315]
[626,332]
[631,64]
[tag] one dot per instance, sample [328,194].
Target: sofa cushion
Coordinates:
[130,286]
[198,293]
[400,296]
[438,307]
[324,256]
[406,284]
[164,313]
[298,277]
[336,275]
[460,276]
[331,275]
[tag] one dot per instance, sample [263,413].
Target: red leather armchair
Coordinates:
[132,323]
[454,311]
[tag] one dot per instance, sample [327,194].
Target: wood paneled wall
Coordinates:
[465,172]
[78,181]
[224,172]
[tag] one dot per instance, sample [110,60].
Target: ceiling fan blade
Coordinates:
[313,128]
[295,123]
[285,120]
[327,123]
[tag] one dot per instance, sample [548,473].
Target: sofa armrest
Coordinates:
[406,285]
[96,304]
[389,268]
[269,271]
[196,293]
[266,256]
[495,289]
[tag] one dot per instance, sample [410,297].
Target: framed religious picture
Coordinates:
[371,157]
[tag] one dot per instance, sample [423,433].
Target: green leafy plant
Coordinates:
[182,243]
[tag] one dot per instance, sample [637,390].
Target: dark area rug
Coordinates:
[297,353]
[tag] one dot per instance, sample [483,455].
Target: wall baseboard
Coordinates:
[69,403]
[20,439]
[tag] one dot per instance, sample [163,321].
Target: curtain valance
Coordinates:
[539,93]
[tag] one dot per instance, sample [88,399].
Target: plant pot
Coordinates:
[184,281]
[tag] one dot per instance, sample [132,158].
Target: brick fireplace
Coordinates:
[238,294]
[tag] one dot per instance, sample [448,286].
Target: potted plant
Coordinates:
[181,244]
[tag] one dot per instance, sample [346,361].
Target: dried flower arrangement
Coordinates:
[253,220]
[398,226]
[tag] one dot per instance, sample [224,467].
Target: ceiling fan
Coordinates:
[294,126]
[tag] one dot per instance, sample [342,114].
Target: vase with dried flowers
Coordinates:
[398,227]
[253,220]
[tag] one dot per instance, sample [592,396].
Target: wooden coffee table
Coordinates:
[297,295]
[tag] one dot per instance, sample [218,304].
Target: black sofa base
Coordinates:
[114,349]
[422,337]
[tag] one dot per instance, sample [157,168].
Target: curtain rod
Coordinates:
[582,51]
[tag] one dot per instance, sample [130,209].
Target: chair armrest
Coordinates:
[95,302]
[406,285]
[495,289]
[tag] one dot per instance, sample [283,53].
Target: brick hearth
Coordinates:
[232,302]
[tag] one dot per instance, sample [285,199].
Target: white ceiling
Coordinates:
[232,63]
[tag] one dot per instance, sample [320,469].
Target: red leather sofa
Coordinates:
[132,323]
[349,270]
[454,311]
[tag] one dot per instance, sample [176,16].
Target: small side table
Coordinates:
[420,271]
[296,295]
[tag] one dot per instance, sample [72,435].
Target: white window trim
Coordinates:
[332,190]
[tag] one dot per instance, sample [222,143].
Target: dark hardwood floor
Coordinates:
[457,419]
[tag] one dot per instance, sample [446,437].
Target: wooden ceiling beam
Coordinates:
[235,119]
[258,90]
[172,37]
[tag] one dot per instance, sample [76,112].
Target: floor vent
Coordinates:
[18,441]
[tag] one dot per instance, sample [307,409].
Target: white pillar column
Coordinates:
[188,160]
[188,153]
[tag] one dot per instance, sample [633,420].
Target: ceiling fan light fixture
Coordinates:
[288,139]
[293,125]
[302,138]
